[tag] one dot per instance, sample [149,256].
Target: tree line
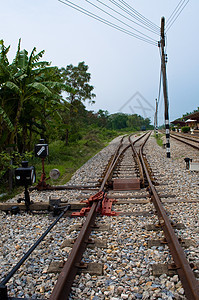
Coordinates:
[38,100]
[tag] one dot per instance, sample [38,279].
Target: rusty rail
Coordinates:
[185,142]
[69,271]
[65,280]
[187,137]
[137,158]
[116,158]
[190,284]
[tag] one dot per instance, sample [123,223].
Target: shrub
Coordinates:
[185,129]
[12,161]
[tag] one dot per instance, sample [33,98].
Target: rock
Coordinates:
[120,290]
[42,289]
[124,296]
[17,247]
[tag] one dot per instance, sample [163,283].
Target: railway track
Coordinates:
[125,169]
[190,141]
[65,280]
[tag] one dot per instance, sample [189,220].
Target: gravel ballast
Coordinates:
[127,260]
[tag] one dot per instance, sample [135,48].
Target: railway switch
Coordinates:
[104,205]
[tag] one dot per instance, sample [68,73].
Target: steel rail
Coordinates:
[185,142]
[65,280]
[110,167]
[137,158]
[187,137]
[189,282]
[113,165]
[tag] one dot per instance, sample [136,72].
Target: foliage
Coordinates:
[159,140]
[78,78]
[11,161]
[185,129]
[194,111]
[68,158]
[132,122]
[137,122]
[41,101]
[117,121]
[29,92]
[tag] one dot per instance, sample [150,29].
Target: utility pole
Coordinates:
[164,77]
[156,117]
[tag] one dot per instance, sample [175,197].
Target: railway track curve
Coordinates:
[64,283]
[116,178]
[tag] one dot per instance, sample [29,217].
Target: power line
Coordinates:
[127,17]
[176,16]
[149,27]
[160,81]
[90,14]
[175,11]
[119,19]
[140,15]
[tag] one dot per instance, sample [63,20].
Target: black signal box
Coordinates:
[41,149]
[25,175]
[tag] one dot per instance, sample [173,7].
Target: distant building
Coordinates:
[178,123]
[191,120]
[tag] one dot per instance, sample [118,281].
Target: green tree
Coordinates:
[135,122]
[78,78]
[28,88]
[117,121]
[102,116]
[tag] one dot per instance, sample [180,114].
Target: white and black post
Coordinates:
[164,77]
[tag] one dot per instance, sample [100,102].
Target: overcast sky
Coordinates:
[124,70]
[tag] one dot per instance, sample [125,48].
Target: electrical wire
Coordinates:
[160,81]
[173,13]
[127,17]
[90,14]
[176,15]
[160,91]
[152,29]
[119,20]
[140,15]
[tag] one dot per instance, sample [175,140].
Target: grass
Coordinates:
[158,138]
[67,159]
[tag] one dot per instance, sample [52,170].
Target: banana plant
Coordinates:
[26,82]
